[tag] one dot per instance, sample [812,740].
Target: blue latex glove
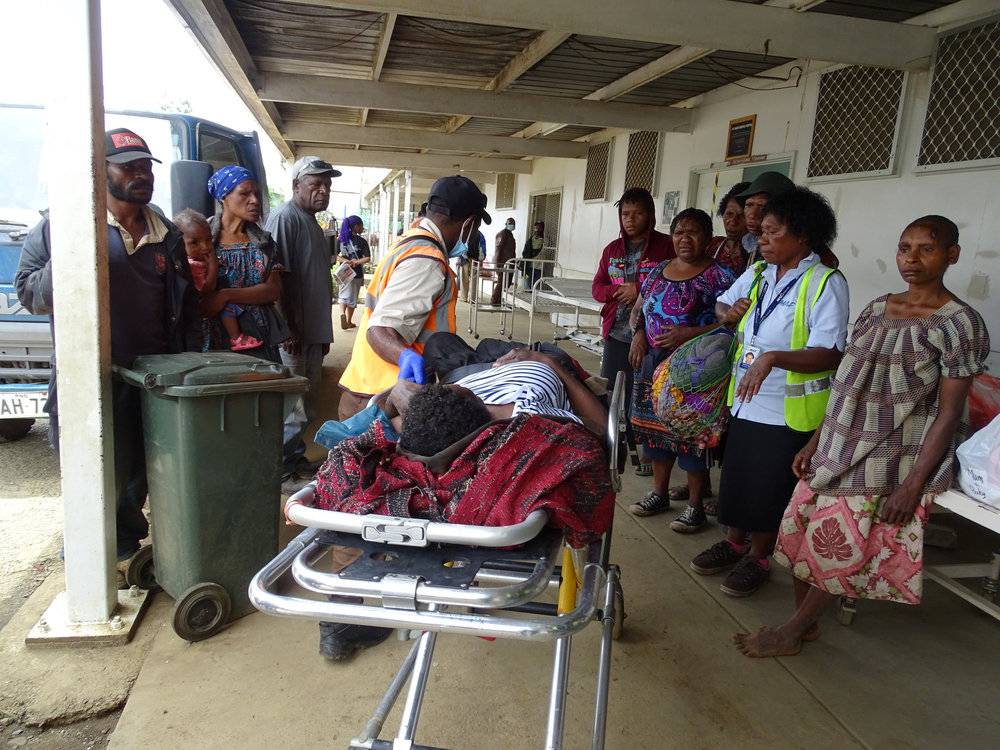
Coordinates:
[411,366]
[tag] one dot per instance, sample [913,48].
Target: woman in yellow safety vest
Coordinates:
[790,313]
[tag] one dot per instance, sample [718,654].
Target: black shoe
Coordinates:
[339,642]
[745,578]
[650,505]
[716,559]
[691,520]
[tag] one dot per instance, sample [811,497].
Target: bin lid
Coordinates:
[202,368]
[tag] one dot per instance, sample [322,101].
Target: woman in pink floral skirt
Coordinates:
[855,524]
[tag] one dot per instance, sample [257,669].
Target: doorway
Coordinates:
[710,184]
[546,207]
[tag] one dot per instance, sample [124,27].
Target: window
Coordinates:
[505,190]
[217,150]
[963,110]
[640,166]
[595,186]
[857,121]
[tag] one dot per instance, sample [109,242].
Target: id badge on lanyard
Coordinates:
[751,349]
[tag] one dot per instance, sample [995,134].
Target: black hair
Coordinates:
[942,229]
[639,196]
[805,214]
[438,416]
[699,217]
[189,218]
[732,195]
[423,210]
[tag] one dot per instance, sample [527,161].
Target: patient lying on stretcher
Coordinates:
[486,450]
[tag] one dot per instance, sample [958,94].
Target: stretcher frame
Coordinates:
[499,601]
[513,297]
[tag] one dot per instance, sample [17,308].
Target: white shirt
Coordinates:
[827,323]
[532,387]
[408,298]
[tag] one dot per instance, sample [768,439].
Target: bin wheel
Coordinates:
[618,628]
[846,609]
[15,429]
[140,570]
[201,611]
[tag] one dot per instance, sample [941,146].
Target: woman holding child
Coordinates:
[239,301]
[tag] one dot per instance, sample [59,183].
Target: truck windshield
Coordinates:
[26,157]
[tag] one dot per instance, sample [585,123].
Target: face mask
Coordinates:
[461,246]
[510,227]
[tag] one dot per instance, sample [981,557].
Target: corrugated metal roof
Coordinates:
[386,118]
[343,41]
[880,10]
[316,113]
[451,53]
[488,126]
[571,132]
[710,72]
[583,64]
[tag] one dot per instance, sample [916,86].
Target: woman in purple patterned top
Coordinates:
[676,303]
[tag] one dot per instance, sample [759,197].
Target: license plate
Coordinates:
[22,405]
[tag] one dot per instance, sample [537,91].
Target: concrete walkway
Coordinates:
[900,677]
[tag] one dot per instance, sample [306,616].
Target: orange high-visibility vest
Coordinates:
[367,372]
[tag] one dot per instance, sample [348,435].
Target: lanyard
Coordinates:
[758,317]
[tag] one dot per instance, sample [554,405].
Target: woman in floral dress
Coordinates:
[248,275]
[675,304]
[855,524]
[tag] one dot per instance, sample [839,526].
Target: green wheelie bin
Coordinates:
[212,424]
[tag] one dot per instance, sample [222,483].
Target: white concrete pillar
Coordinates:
[408,202]
[78,207]
[394,215]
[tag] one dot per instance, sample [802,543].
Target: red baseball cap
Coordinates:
[122,145]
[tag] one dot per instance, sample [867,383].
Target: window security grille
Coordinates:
[963,112]
[505,190]
[857,117]
[595,186]
[640,167]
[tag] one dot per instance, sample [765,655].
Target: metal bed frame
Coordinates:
[564,295]
[451,578]
[513,297]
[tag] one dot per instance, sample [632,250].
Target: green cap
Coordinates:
[772,183]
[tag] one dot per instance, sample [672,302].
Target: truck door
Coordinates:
[221,148]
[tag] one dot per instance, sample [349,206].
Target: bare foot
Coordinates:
[768,642]
[812,634]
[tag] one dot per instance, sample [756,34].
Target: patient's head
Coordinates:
[439,415]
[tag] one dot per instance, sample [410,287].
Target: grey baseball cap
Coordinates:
[309,165]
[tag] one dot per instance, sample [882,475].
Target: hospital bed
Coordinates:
[465,580]
[566,296]
[516,271]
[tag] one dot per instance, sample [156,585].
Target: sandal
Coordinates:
[644,470]
[680,493]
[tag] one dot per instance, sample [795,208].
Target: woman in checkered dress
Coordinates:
[855,524]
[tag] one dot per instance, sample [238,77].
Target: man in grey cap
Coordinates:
[307,293]
[765,186]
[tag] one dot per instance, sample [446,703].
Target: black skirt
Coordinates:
[757,479]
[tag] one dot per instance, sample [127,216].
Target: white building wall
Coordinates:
[871,212]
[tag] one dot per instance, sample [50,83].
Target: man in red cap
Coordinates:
[154,309]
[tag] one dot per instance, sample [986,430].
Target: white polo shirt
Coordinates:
[827,322]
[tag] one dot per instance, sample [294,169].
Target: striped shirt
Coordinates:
[532,387]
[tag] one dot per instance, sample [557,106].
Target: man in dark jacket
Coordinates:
[154,309]
[505,250]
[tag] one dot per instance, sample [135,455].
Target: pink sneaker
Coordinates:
[244,341]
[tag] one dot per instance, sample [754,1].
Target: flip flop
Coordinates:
[644,470]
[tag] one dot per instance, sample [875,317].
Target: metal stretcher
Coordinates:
[562,295]
[451,578]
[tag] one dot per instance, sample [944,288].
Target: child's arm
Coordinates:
[903,501]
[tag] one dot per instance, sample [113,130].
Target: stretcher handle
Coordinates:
[410,532]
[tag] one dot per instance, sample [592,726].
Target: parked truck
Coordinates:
[190,148]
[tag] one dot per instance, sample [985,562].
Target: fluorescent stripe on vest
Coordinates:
[367,372]
[806,394]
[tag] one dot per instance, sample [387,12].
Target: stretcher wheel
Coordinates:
[619,627]
[140,570]
[201,611]
[846,609]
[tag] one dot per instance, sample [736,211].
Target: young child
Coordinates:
[205,273]
[886,448]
